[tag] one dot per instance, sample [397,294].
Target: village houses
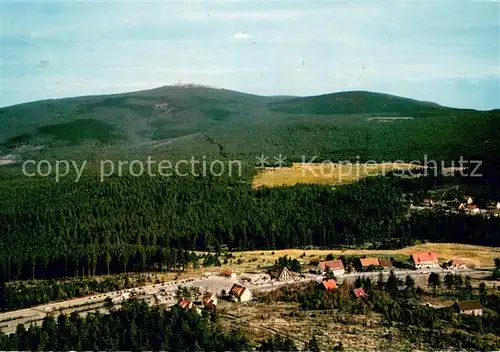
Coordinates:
[424,260]
[329,284]
[468,307]
[336,267]
[369,262]
[185,303]
[209,300]
[282,274]
[240,293]
[386,264]
[359,292]
[457,264]
[228,274]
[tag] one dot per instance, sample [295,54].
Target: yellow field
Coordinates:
[478,256]
[327,173]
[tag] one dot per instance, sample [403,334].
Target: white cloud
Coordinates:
[241,35]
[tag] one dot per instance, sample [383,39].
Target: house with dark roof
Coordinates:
[468,307]
[424,260]
[240,293]
[336,267]
[281,274]
[386,264]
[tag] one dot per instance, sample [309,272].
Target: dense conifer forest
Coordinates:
[135,327]
[132,224]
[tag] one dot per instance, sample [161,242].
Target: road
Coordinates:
[214,284]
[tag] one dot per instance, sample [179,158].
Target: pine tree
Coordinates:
[434,281]
[449,281]
[410,285]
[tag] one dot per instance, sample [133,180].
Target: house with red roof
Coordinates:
[336,267]
[457,264]
[369,262]
[185,303]
[240,293]
[209,300]
[229,274]
[359,292]
[424,260]
[329,284]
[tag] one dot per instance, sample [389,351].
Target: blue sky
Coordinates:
[446,51]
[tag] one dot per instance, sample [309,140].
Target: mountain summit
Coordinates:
[193,119]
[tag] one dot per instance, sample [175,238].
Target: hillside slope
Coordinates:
[177,121]
[357,102]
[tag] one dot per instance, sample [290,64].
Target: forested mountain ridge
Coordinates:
[358,102]
[192,120]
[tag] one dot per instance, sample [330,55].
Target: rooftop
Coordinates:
[365,262]
[330,284]
[332,264]
[424,257]
[465,306]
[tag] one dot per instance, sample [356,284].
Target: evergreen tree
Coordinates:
[449,281]
[410,285]
[434,281]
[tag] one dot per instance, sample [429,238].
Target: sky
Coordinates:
[443,51]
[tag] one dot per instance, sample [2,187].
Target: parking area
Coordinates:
[165,293]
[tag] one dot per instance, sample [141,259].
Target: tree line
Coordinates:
[138,224]
[138,327]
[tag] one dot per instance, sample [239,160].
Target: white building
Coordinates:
[425,260]
[336,267]
[240,293]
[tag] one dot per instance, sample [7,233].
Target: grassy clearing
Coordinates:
[478,256]
[327,173]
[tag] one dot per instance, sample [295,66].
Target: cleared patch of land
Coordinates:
[355,332]
[324,173]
